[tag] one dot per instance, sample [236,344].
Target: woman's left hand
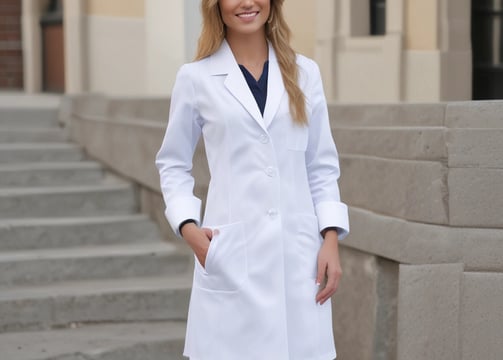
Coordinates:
[329,267]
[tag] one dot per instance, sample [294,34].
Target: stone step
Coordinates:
[41,152]
[119,341]
[50,174]
[38,267]
[159,298]
[31,135]
[29,117]
[49,233]
[106,199]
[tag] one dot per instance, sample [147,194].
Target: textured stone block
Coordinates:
[364,307]
[476,197]
[482,316]
[413,190]
[475,114]
[480,148]
[387,115]
[408,143]
[428,312]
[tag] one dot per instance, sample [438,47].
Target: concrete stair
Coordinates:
[83,275]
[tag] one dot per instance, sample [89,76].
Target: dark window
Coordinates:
[487,47]
[377,17]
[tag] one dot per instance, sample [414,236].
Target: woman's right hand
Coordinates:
[198,239]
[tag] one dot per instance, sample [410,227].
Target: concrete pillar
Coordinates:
[165,51]
[32,44]
[75,63]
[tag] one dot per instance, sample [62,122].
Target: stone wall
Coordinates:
[423,265]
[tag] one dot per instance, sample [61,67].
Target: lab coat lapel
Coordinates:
[223,62]
[275,88]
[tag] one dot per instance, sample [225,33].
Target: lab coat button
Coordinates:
[264,139]
[270,171]
[272,213]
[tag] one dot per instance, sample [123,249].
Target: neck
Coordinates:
[248,49]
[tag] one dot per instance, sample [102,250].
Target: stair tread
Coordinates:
[38,146]
[90,339]
[51,165]
[94,287]
[22,222]
[119,250]
[64,189]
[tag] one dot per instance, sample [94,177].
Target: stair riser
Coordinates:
[165,350]
[161,350]
[40,155]
[90,203]
[54,236]
[36,314]
[40,272]
[48,136]
[50,177]
[29,117]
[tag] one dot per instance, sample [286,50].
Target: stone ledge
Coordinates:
[413,190]
[479,249]
[408,143]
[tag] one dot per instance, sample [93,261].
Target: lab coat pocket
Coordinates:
[226,261]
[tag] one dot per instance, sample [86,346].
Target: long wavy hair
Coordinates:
[277,32]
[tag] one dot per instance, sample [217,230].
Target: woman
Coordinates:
[266,256]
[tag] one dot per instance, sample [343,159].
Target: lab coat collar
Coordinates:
[223,62]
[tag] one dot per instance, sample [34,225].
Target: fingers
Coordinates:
[332,283]
[208,233]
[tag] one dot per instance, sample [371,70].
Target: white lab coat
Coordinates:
[273,188]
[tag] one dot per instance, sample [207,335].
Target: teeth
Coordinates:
[248,14]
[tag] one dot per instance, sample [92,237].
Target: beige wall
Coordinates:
[421,24]
[301,17]
[121,8]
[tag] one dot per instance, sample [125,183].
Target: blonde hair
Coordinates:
[277,32]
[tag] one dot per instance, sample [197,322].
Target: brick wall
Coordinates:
[11,55]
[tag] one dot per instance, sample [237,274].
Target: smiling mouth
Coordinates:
[248,14]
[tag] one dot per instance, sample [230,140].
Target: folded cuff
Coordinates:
[333,214]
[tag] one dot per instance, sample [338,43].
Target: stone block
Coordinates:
[417,243]
[476,197]
[28,135]
[428,312]
[364,307]
[412,190]
[387,115]
[475,114]
[407,143]
[475,148]
[482,316]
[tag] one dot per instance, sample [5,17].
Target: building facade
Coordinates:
[370,51]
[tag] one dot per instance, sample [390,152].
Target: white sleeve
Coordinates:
[322,162]
[174,159]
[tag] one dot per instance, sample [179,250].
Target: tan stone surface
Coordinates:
[476,197]
[475,148]
[387,115]
[482,316]
[364,307]
[475,114]
[413,190]
[428,311]
[407,143]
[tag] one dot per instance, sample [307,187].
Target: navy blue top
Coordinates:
[258,88]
